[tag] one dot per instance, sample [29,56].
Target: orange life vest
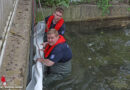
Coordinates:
[49,48]
[58,25]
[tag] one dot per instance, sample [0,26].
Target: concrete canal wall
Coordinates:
[6,10]
[16,55]
[6,7]
[86,12]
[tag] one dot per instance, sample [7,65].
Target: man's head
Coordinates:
[52,36]
[58,14]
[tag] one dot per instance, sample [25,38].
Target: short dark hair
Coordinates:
[60,9]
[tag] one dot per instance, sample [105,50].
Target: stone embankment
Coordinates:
[15,59]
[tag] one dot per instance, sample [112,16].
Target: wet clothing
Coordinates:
[61,54]
[58,72]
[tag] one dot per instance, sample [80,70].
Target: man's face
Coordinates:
[52,39]
[57,16]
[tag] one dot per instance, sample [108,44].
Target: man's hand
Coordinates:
[46,62]
[40,60]
[44,44]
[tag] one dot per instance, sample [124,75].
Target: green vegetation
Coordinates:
[39,17]
[129,9]
[51,3]
[104,5]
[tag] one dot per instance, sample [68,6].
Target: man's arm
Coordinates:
[56,56]
[46,62]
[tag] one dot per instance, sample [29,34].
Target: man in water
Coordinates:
[58,55]
[55,21]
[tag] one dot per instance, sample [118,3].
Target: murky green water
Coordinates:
[101,59]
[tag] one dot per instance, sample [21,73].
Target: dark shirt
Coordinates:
[61,53]
[61,30]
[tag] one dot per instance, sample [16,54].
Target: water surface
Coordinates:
[101,59]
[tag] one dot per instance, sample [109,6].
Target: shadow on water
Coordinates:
[101,59]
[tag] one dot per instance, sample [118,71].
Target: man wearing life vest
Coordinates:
[55,21]
[57,54]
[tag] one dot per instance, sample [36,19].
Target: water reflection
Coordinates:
[101,59]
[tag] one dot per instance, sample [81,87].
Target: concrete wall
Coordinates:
[112,1]
[6,6]
[90,12]
[16,55]
[119,15]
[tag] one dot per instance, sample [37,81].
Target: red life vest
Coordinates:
[49,48]
[58,25]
